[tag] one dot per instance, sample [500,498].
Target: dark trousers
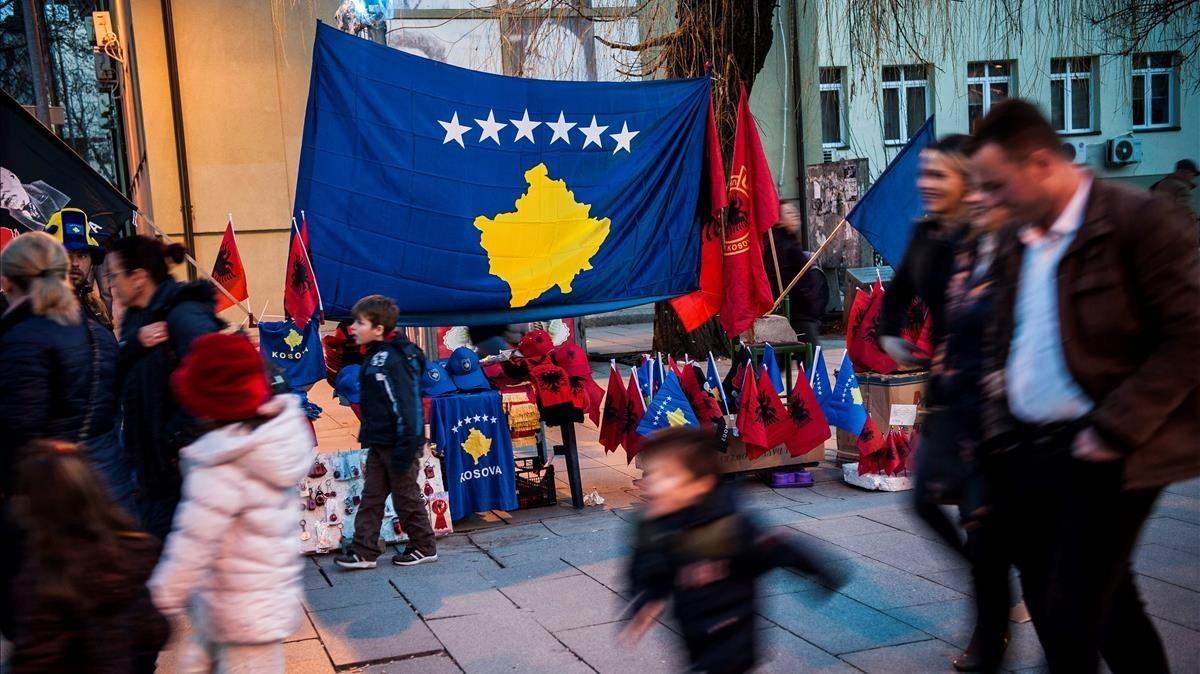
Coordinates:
[156,513]
[380,479]
[1071,531]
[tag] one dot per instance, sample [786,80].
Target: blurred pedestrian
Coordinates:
[696,546]
[81,599]
[233,555]
[1093,391]
[808,299]
[162,319]
[1179,185]
[393,431]
[946,268]
[58,374]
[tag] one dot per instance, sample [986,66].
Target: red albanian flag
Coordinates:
[873,356]
[635,409]
[695,308]
[229,272]
[753,209]
[772,413]
[612,425]
[750,425]
[871,449]
[812,429]
[300,295]
[854,324]
[706,407]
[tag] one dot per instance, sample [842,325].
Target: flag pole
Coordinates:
[188,256]
[250,320]
[308,258]
[775,259]
[812,260]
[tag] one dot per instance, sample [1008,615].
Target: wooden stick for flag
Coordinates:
[249,309]
[775,258]
[188,256]
[809,264]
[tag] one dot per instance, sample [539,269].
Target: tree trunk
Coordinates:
[732,37]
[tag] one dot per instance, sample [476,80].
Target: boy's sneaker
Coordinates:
[412,558]
[353,560]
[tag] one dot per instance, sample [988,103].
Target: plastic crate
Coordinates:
[535,484]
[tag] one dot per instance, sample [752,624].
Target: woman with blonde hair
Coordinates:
[58,374]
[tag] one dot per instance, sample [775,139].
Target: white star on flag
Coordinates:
[592,133]
[490,128]
[454,131]
[561,129]
[623,138]
[525,127]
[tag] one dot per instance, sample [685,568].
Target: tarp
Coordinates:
[472,198]
[885,214]
[40,174]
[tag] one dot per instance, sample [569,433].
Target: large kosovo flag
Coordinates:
[472,198]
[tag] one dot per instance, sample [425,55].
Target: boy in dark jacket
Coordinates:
[393,430]
[695,546]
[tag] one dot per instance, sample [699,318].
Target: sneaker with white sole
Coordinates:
[412,558]
[353,560]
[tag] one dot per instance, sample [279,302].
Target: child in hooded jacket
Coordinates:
[233,556]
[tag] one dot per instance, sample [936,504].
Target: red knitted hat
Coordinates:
[222,378]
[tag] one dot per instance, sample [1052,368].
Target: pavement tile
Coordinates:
[905,551]
[821,551]
[611,573]
[451,594]
[1024,650]
[304,631]
[312,577]
[504,641]
[429,664]
[870,502]
[566,603]
[782,652]
[836,623]
[958,580]
[507,535]
[783,581]
[1168,564]
[949,621]
[1172,533]
[1182,646]
[884,587]
[915,658]
[373,632]
[1170,602]
[305,657]
[377,589]
[659,650]
[780,516]
[587,522]
[904,518]
[841,527]
[1178,506]
[1190,489]
[547,568]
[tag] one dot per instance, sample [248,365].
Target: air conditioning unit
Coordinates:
[1124,150]
[1076,151]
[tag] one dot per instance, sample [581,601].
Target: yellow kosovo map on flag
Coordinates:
[545,242]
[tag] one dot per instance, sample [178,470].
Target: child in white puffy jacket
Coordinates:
[232,557]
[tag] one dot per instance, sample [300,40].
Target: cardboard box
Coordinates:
[880,392]
[735,460]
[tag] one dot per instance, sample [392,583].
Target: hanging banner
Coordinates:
[476,199]
[297,350]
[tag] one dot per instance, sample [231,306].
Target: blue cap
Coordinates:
[435,381]
[347,385]
[464,367]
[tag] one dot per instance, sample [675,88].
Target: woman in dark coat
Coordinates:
[162,319]
[945,266]
[58,372]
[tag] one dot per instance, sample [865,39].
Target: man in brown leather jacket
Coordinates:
[1093,385]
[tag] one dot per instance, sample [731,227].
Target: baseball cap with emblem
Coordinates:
[435,381]
[466,371]
[71,228]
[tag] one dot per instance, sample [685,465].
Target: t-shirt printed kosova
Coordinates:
[472,433]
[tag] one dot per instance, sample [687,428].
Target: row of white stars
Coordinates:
[489,129]
[467,421]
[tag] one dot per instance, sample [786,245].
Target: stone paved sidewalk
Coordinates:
[542,590]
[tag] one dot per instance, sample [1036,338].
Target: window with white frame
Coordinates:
[905,101]
[1154,90]
[1072,98]
[988,83]
[833,108]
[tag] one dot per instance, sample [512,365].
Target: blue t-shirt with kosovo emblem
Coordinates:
[471,431]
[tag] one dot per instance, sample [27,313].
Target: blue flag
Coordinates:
[297,351]
[669,408]
[885,214]
[647,376]
[714,381]
[819,379]
[845,408]
[769,361]
[473,198]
